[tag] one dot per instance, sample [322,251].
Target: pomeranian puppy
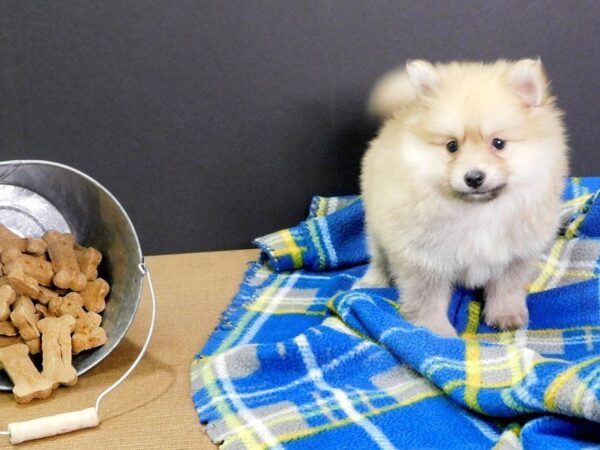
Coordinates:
[462,186]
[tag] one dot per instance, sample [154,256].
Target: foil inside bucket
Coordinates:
[29,214]
[37,196]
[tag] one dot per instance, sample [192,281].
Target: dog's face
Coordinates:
[483,128]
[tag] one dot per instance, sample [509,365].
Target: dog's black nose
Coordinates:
[474,178]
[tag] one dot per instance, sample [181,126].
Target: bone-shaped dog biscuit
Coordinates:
[25,317]
[56,348]
[71,304]
[62,254]
[33,266]
[20,282]
[88,260]
[36,247]
[88,333]
[35,346]
[94,295]
[28,382]
[6,341]
[44,311]
[8,239]
[7,329]
[45,295]
[7,297]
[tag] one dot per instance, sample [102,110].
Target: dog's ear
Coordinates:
[422,75]
[528,78]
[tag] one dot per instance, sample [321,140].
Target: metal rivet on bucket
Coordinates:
[36,196]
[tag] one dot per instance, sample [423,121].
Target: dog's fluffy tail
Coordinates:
[391,93]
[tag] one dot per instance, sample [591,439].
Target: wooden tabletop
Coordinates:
[152,408]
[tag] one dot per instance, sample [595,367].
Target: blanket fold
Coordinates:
[320,243]
[301,360]
[486,376]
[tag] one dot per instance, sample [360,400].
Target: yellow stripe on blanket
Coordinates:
[561,380]
[549,267]
[291,248]
[473,319]
[578,201]
[473,374]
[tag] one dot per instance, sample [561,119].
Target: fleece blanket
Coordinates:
[300,360]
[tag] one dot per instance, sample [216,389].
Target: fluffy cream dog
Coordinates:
[463,185]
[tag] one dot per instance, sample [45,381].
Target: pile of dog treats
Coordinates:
[50,300]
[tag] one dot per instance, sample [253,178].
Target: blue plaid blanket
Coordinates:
[300,360]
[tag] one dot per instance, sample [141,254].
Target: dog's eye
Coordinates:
[498,143]
[452,146]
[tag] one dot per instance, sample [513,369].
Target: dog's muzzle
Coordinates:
[477,195]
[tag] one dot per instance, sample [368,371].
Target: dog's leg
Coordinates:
[505,305]
[425,298]
[377,273]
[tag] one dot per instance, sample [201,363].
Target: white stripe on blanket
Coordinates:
[317,376]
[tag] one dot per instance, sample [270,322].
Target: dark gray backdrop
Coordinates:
[215,121]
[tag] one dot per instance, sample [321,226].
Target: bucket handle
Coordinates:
[86,418]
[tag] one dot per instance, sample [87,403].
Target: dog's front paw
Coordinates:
[438,324]
[505,316]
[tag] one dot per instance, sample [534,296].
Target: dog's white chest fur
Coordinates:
[470,244]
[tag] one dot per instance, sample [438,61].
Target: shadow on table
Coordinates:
[150,380]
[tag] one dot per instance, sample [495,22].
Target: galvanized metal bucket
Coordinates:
[36,196]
